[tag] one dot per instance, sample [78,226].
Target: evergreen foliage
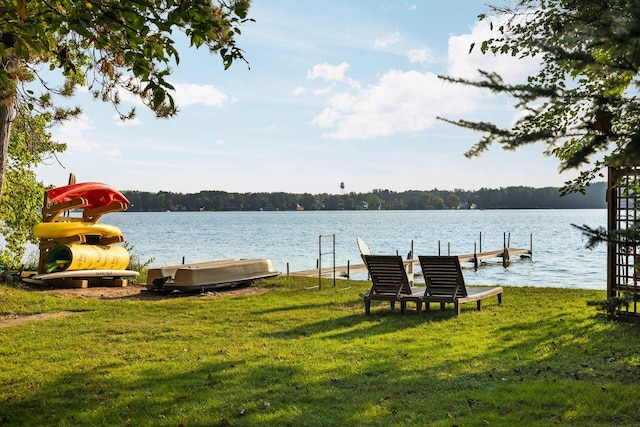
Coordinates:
[503,198]
[582,104]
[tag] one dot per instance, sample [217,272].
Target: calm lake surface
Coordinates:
[560,258]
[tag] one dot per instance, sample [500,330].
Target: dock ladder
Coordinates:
[331,252]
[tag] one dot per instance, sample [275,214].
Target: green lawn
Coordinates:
[294,356]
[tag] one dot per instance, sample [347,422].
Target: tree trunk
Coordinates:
[7,105]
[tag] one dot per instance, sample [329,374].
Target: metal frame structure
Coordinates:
[332,252]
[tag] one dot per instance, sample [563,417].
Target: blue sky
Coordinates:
[337,91]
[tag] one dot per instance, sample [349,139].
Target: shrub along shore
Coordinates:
[289,355]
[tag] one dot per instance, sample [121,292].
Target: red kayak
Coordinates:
[96,193]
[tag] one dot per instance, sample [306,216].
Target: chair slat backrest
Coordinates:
[387,275]
[443,276]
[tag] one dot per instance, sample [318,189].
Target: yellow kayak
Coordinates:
[56,230]
[87,257]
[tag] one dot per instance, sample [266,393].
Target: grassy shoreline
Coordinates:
[293,356]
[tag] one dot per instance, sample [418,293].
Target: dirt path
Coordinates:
[131,292]
[17,320]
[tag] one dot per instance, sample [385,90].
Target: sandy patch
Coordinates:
[135,292]
[131,292]
[17,320]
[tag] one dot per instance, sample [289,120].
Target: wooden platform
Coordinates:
[100,282]
[502,255]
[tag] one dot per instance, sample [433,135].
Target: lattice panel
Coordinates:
[624,256]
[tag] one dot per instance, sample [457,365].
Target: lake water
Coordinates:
[560,258]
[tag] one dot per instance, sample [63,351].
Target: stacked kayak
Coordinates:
[77,251]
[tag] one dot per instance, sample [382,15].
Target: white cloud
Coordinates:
[409,102]
[323,91]
[189,94]
[297,91]
[186,94]
[419,55]
[400,102]
[463,64]
[328,73]
[385,42]
[123,123]
[72,132]
[326,118]
[333,74]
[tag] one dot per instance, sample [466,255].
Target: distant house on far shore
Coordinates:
[232,206]
[362,206]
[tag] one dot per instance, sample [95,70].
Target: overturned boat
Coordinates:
[208,275]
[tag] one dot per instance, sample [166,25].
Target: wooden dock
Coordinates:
[476,259]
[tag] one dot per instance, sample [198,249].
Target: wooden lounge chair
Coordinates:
[364,250]
[445,283]
[390,283]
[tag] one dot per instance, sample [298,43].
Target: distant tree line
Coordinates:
[503,198]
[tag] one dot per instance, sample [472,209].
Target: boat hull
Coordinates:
[211,274]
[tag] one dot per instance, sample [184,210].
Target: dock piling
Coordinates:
[475,256]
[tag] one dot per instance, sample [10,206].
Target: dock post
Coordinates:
[438,247]
[348,269]
[319,262]
[504,248]
[480,242]
[505,251]
[334,260]
[448,248]
[531,245]
[475,256]
[287,269]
